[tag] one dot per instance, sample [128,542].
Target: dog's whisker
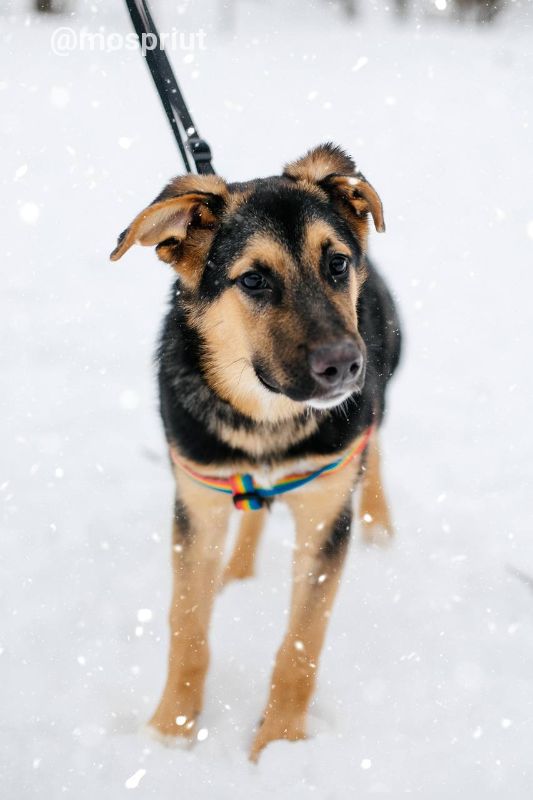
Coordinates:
[231,363]
[208,329]
[242,370]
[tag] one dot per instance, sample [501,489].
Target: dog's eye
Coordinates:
[338,265]
[253,282]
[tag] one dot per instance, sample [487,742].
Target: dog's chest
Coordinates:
[266,444]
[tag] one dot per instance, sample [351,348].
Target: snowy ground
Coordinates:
[427,678]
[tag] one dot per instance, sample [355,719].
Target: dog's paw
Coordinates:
[176,731]
[180,741]
[236,573]
[274,728]
[377,532]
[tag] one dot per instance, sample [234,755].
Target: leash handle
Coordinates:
[189,141]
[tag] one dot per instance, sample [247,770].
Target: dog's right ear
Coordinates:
[181,222]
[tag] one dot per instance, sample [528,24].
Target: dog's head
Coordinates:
[270,272]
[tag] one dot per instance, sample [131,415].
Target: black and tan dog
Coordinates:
[274,361]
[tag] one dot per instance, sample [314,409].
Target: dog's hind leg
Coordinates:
[242,561]
[200,525]
[373,510]
[323,519]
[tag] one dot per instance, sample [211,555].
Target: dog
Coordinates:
[274,360]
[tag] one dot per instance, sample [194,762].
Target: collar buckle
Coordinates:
[248,501]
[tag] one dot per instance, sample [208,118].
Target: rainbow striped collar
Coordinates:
[248,496]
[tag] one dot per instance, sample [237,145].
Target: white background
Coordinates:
[426,680]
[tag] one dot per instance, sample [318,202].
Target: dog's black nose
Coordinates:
[333,365]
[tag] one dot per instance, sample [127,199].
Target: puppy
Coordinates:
[273,364]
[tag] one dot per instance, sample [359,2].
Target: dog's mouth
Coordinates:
[314,399]
[323,402]
[267,382]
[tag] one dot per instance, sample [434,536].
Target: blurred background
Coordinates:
[482,11]
[425,686]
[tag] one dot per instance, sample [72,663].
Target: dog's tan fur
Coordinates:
[197,551]
[242,562]
[315,582]
[374,510]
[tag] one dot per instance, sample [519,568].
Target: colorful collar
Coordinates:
[248,496]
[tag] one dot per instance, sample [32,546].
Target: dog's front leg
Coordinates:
[373,510]
[323,517]
[200,525]
[242,562]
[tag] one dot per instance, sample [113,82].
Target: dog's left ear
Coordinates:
[330,168]
[180,222]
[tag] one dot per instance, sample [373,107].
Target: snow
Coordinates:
[136,778]
[425,680]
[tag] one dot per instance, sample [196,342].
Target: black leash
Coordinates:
[187,137]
